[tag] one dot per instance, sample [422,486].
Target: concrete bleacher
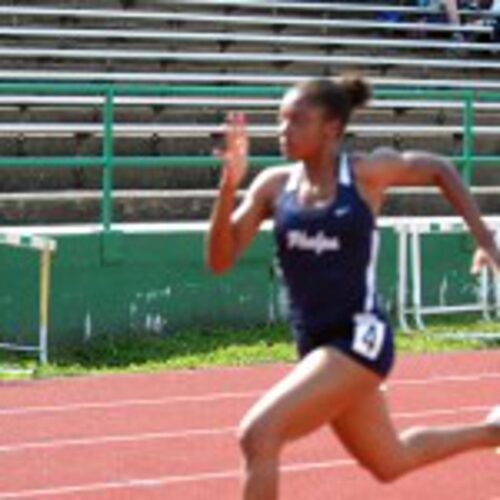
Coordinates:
[108,39]
[196,41]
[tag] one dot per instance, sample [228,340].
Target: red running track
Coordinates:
[171,435]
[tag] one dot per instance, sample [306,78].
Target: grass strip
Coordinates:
[146,352]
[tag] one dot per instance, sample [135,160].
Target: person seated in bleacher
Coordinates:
[494,7]
[452,14]
[450,8]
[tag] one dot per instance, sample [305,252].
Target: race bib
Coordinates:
[369,335]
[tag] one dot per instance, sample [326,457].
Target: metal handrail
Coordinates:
[108,161]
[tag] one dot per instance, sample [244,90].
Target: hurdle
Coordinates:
[45,246]
[409,232]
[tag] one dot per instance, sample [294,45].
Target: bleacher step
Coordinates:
[188,205]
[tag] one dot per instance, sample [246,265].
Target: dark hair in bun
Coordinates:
[337,99]
[357,89]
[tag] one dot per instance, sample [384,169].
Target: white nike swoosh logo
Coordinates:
[340,212]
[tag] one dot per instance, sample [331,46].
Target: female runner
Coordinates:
[324,205]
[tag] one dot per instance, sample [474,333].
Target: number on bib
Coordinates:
[369,334]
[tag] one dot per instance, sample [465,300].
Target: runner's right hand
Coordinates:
[235,152]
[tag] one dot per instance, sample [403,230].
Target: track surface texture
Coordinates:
[172,435]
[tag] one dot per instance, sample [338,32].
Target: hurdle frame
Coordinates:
[409,234]
[46,247]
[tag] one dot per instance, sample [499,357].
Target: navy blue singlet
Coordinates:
[327,256]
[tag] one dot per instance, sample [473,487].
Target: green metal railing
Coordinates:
[108,161]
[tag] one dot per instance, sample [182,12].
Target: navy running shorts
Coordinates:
[368,339]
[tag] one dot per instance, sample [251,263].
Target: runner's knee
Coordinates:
[258,439]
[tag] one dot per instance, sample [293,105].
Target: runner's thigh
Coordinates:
[318,389]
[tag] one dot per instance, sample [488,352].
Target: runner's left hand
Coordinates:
[486,257]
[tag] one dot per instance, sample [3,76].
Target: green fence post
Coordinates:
[108,160]
[468,137]
[111,241]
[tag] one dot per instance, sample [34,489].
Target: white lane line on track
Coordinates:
[128,403]
[166,480]
[478,377]
[125,438]
[471,377]
[198,433]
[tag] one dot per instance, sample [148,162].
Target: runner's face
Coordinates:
[303,129]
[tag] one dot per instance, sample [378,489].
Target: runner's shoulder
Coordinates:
[274,178]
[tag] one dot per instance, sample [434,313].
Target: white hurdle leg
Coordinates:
[496,280]
[402,277]
[496,284]
[416,264]
[484,293]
